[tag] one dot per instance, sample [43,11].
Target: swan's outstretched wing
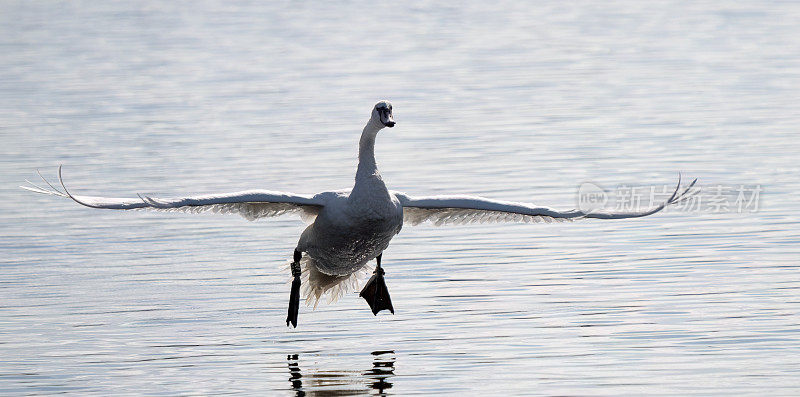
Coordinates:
[251,204]
[455,210]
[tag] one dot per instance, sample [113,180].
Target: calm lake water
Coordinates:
[515,101]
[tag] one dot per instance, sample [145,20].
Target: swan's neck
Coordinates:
[367,167]
[369,193]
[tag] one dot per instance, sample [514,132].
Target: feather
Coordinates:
[459,210]
[251,205]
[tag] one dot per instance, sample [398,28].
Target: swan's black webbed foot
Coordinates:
[375,292]
[294,296]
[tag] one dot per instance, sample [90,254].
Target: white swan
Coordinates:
[351,227]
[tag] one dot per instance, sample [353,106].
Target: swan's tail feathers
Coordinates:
[317,285]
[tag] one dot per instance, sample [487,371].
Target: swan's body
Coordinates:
[342,240]
[352,227]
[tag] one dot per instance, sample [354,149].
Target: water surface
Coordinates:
[518,101]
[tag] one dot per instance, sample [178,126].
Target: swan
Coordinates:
[349,228]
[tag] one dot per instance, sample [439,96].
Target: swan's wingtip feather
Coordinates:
[35,190]
[48,182]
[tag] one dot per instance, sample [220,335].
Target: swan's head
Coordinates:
[383,114]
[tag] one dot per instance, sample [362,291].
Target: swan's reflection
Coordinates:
[374,381]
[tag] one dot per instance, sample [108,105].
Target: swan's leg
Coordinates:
[375,292]
[294,296]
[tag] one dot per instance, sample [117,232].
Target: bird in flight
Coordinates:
[349,228]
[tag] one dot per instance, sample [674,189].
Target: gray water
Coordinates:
[513,101]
